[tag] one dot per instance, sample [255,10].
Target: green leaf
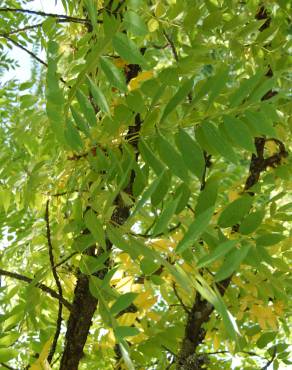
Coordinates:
[91,61]
[195,230]
[251,222]
[216,140]
[165,217]
[89,265]
[148,266]
[259,92]
[81,124]
[239,133]
[127,49]
[172,158]
[83,242]
[122,303]
[235,211]
[98,97]
[220,251]
[267,240]
[179,96]
[117,240]
[218,83]
[150,158]
[86,108]
[135,24]
[7,354]
[145,196]
[161,188]
[72,136]
[126,331]
[260,123]
[265,339]
[9,339]
[191,152]
[232,262]
[183,193]
[91,9]
[214,297]
[245,88]
[207,197]
[114,75]
[125,353]
[95,227]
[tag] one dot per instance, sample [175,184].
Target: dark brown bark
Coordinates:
[84,304]
[201,311]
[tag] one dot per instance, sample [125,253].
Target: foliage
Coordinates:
[145,183]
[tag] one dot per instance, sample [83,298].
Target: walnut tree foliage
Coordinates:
[145,185]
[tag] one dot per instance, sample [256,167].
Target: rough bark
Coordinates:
[84,304]
[201,310]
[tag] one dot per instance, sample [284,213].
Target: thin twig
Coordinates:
[271,360]
[146,235]
[25,49]
[180,300]
[33,26]
[29,52]
[65,259]
[174,52]
[7,366]
[43,14]
[42,287]
[57,281]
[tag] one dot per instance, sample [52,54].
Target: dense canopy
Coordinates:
[145,185]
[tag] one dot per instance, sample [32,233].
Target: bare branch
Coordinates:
[187,310]
[29,52]
[58,283]
[33,26]
[7,366]
[174,52]
[43,287]
[25,49]
[43,14]
[271,360]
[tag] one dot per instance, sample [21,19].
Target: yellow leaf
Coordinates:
[42,362]
[159,9]
[120,63]
[187,268]
[153,25]
[142,76]
[153,316]
[232,195]
[162,244]
[141,337]
[271,147]
[278,308]
[124,285]
[145,300]
[127,319]
[216,342]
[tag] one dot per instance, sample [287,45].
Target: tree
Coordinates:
[145,185]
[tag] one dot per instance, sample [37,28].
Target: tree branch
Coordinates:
[43,14]
[7,366]
[43,287]
[33,26]
[25,49]
[271,360]
[187,310]
[173,48]
[57,281]
[84,304]
[29,52]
